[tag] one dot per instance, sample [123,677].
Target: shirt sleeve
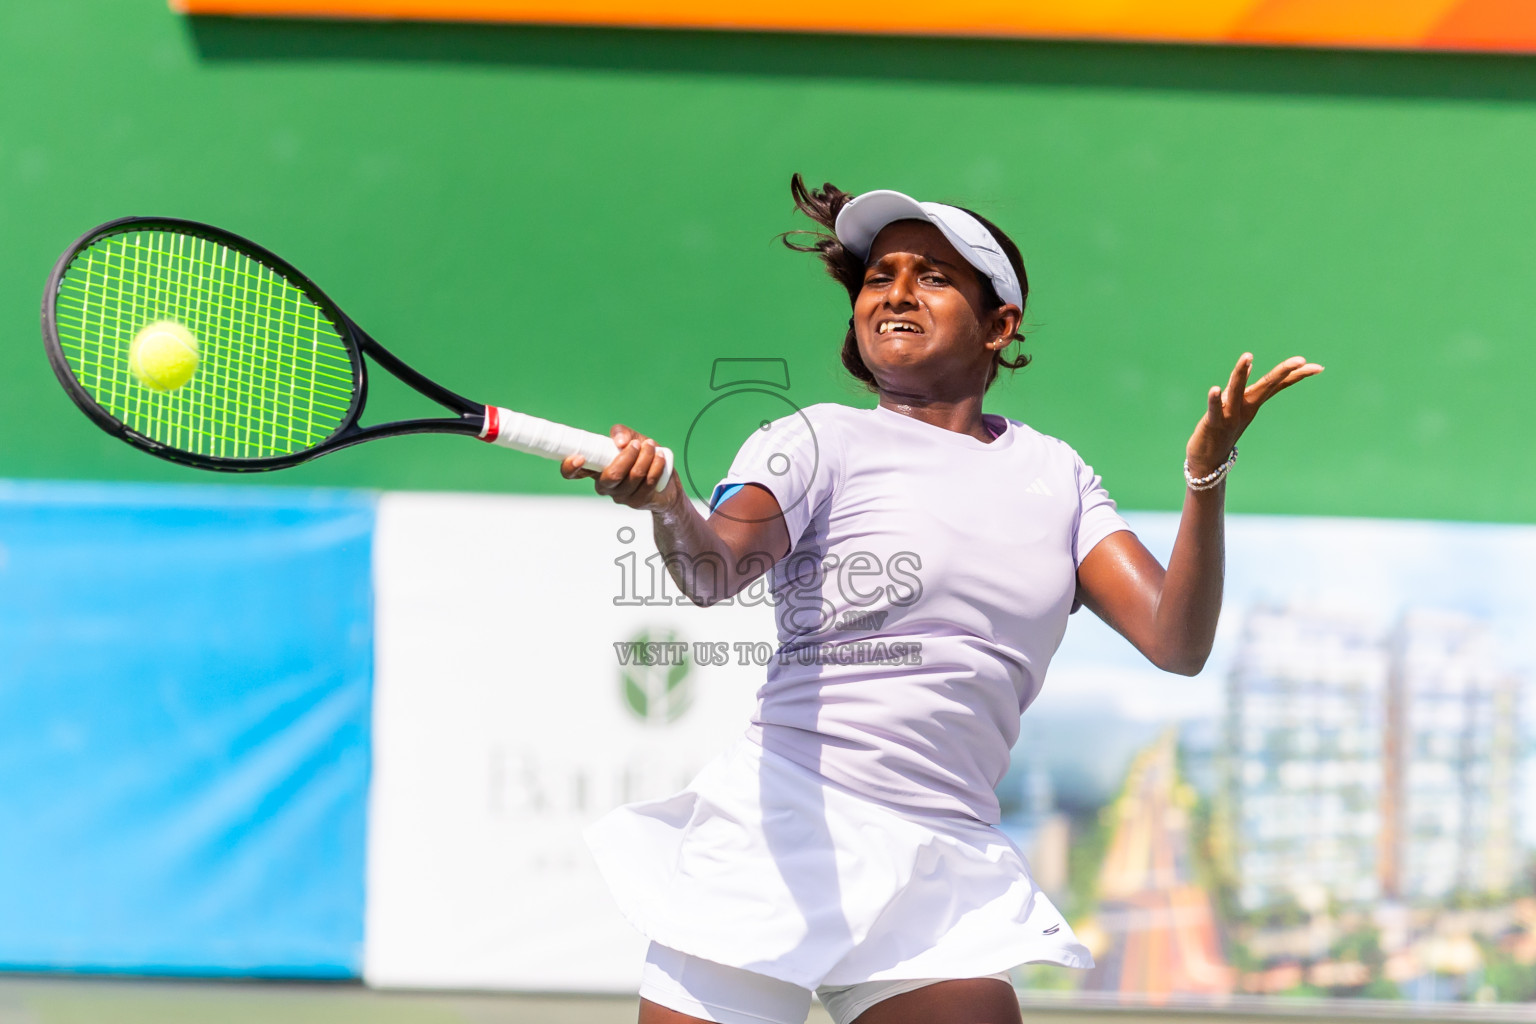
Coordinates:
[1097,517]
[788,458]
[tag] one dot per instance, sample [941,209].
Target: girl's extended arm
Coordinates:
[1170,614]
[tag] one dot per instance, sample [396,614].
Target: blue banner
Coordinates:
[185,690]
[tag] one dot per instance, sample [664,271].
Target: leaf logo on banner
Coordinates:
[655,676]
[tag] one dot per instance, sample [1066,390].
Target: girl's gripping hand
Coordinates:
[630,479]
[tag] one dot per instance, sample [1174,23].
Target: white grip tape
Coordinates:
[525,433]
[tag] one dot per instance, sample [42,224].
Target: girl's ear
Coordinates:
[1007,320]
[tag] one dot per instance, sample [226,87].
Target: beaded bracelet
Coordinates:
[1211,479]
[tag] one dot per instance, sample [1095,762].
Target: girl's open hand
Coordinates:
[1229,410]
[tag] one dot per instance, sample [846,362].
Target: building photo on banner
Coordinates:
[1342,799]
[365,724]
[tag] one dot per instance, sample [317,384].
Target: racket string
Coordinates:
[274,375]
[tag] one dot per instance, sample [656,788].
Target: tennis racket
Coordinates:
[256,368]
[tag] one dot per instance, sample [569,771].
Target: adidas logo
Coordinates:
[1038,487]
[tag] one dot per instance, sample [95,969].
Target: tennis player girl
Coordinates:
[846,844]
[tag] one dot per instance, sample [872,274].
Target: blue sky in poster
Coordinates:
[1371,569]
[1377,568]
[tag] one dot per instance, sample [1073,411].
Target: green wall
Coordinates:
[576,222]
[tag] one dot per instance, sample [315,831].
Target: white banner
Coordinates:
[535,669]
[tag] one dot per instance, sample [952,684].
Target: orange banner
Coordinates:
[1502,25]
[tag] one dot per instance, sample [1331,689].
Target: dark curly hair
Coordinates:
[822,205]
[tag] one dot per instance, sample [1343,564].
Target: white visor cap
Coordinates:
[861,220]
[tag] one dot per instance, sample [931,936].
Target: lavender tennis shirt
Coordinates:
[927,588]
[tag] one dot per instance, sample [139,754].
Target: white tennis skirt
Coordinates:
[767,866]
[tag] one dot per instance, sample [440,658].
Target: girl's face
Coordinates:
[921,318]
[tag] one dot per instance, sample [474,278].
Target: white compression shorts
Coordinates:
[730,995]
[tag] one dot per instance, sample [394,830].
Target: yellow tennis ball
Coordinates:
[163,355]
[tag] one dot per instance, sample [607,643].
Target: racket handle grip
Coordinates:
[524,433]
